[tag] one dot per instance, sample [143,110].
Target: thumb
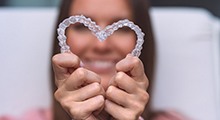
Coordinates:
[62,64]
[131,65]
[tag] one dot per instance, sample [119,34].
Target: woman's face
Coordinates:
[101,57]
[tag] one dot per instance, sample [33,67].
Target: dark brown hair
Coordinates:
[140,10]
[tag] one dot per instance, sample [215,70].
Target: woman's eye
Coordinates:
[124,30]
[80,28]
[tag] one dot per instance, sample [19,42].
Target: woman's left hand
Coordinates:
[126,97]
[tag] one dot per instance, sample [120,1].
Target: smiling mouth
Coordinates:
[99,66]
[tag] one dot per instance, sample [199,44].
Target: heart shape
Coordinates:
[100,34]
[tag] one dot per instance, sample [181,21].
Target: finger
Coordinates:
[131,65]
[111,107]
[83,110]
[118,112]
[118,96]
[124,82]
[69,102]
[81,77]
[94,104]
[87,92]
[62,63]
[135,101]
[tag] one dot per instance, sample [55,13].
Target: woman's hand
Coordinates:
[79,90]
[126,96]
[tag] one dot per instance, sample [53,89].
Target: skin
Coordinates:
[115,91]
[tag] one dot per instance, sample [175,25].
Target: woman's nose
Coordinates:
[102,46]
[102,42]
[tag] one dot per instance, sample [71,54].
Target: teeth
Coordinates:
[102,64]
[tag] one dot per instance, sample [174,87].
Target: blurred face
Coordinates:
[101,57]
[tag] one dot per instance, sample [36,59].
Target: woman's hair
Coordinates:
[140,9]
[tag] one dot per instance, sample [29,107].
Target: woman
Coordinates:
[111,84]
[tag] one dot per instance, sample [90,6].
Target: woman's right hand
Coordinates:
[79,90]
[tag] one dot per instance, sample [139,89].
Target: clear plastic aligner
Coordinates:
[100,34]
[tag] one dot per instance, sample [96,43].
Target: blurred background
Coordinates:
[29,3]
[211,5]
[186,58]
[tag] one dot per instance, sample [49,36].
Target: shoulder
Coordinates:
[168,115]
